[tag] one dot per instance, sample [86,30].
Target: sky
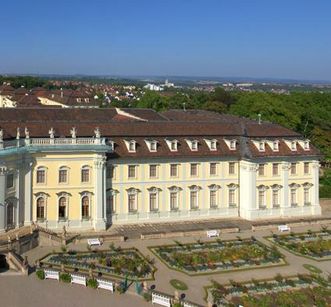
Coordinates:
[288,39]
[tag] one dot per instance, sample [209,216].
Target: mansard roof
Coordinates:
[139,124]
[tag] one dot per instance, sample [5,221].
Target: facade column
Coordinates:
[17,195]
[28,194]
[3,171]
[99,188]
[285,167]
[247,189]
[315,189]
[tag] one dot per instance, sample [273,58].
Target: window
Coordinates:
[132,200]
[306,168]
[41,176]
[231,168]
[306,145]
[275,201]
[261,146]
[213,169]
[275,169]
[293,197]
[213,145]
[293,168]
[194,199]
[261,170]
[173,146]
[293,145]
[40,208]
[233,144]
[62,208]
[261,198]
[153,206]
[132,146]
[85,174]
[173,170]
[275,146]
[213,198]
[153,171]
[10,181]
[85,207]
[63,175]
[232,197]
[153,146]
[173,200]
[194,169]
[194,145]
[132,171]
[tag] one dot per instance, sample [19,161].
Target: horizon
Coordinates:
[212,39]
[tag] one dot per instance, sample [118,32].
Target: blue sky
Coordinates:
[243,38]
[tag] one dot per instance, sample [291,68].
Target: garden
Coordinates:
[218,256]
[300,290]
[314,245]
[121,263]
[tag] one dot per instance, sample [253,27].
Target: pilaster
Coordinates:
[99,189]
[28,193]
[3,172]
[285,167]
[247,189]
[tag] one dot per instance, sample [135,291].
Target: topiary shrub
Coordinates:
[92,283]
[40,274]
[65,277]
[179,285]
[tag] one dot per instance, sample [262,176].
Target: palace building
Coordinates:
[92,168]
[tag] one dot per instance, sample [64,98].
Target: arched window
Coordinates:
[40,208]
[85,207]
[62,208]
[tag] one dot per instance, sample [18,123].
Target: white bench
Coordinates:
[213,233]
[105,284]
[161,299]
[51,274]
[283,228]
[78,279]
[93,242]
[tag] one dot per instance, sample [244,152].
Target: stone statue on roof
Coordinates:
[18,133]
[73,132]
[27,133]
[51,133]
[1,135]
[97,133]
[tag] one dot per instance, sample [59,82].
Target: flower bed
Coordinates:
[301,290]
[121,263]
[315,245]
[218,256]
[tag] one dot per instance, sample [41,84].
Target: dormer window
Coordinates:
[174,145]
[293,145]
[261,146]
[132,146]
[233,144]
[213,145]
[306,145]
[153,146]
[275,145]
[194,145]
